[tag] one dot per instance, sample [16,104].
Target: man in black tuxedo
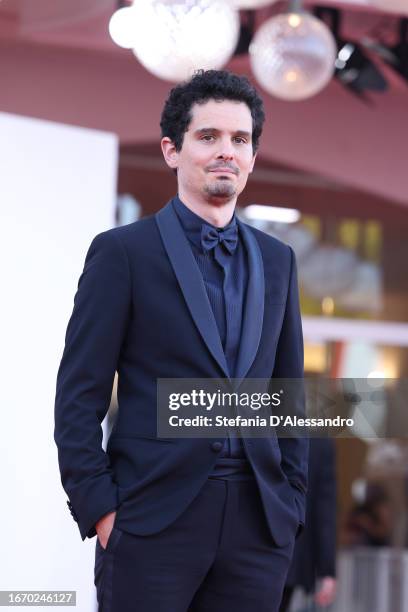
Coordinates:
[191,292]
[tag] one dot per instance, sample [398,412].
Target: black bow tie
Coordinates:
[210,237]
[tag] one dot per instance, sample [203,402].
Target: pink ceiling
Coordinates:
[63,67]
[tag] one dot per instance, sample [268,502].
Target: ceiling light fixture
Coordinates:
[354,69]
[292,55]
[122,27]
[172,36]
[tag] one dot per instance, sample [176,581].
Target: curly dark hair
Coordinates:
[209,85]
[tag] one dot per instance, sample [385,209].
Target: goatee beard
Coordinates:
[220,189]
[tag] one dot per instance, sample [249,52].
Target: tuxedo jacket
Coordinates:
[141,309]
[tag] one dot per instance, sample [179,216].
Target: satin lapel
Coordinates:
[190,280]
[254,304]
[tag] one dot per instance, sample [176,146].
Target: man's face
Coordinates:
[216,155]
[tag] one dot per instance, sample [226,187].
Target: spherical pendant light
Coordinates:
[122,27]
[292,56]
[175,37]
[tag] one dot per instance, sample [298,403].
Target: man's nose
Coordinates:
[226,150]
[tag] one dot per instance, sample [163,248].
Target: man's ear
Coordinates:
[169,152]
[253,162]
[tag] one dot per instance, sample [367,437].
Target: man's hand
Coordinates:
[104,527]
[326,592]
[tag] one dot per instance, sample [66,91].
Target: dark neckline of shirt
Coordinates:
[192,223]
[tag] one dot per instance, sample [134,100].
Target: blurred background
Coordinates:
[82,85]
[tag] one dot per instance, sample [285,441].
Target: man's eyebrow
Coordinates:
[205,130]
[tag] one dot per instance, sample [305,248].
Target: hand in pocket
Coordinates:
[104,528]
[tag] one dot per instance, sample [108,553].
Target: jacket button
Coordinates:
[216,446]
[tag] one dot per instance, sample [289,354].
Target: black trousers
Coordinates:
[218,556]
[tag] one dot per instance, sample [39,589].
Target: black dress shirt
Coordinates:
[227,302]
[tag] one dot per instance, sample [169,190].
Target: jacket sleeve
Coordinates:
[93,342]
[289,364]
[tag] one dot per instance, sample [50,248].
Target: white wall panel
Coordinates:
[57,191]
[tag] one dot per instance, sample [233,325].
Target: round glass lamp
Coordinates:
[122,27]
[175,37]
[292,56]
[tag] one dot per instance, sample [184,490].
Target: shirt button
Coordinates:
[216,446]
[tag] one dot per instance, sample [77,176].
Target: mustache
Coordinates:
[231,167]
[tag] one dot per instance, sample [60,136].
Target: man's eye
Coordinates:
[240,140]
[207,137]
